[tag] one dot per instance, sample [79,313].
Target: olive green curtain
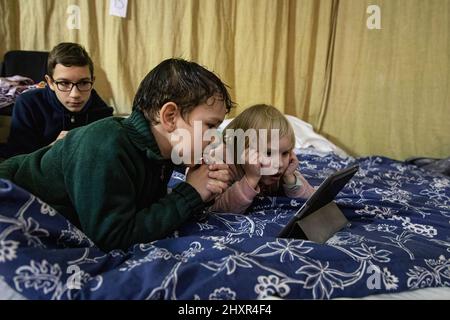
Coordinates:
[371,91]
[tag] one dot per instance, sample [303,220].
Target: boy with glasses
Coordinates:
[69,101]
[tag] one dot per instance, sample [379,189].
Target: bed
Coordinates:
[397,245]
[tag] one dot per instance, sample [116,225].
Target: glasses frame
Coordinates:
[72,85]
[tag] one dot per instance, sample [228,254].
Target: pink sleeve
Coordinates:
[235,199]
[304,190]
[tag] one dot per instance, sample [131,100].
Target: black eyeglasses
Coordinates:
[67,86]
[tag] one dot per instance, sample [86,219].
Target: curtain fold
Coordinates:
[389,91]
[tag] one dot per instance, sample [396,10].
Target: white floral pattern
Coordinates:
[223,294]
[269,286]
[8,250]
[390,281]
[39,276]
[45,208]
[399,218]
[321,279]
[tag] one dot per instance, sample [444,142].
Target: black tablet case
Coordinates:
[320,217]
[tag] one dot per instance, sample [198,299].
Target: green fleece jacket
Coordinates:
[109,179]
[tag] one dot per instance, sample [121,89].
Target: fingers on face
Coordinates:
[221,175]
[265,161]
[218,166]
[216,186]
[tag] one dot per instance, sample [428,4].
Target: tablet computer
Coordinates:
[327,216]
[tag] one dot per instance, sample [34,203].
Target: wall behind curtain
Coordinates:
[369,91]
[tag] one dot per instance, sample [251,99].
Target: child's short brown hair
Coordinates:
[185,83]
[69,54]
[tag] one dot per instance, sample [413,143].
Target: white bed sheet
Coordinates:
[442,293]
[305,137]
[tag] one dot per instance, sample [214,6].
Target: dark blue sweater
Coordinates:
[38,118]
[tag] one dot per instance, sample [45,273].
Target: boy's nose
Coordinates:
[75,92]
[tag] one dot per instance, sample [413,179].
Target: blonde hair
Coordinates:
[263,116]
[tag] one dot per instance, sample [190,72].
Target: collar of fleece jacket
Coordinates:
[138,129]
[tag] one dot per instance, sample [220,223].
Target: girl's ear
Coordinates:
[168,116]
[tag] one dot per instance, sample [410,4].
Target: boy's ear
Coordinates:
[168,116]
[50,82]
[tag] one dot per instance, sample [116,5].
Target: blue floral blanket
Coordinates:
[399,239]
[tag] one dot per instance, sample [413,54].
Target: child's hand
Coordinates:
[60,136]
[252,167]
[219,172]
[198,178]
[288,176]
[209,183]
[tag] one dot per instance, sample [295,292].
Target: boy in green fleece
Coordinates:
[110,178]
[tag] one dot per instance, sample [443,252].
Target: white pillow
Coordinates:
[305,137]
